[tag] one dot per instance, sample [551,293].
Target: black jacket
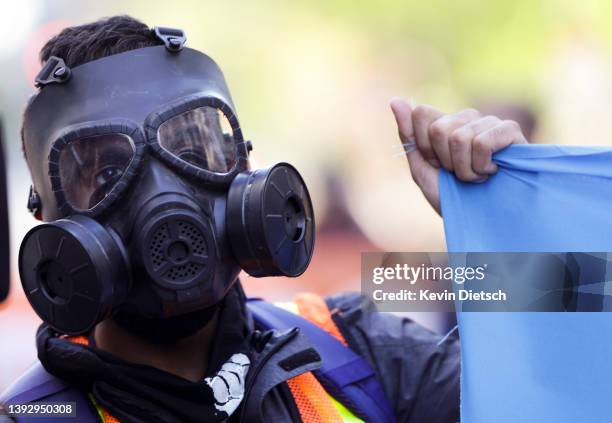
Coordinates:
[419,374]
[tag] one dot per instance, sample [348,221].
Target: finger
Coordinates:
[420,169]
[482,124]
[425,176]
[460,145]
[492,140]
[442,128]
[402,111]
[422,117]
[469,131]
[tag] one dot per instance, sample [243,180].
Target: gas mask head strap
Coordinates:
[174,39]
[54,71]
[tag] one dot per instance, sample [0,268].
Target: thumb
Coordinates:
[423,173]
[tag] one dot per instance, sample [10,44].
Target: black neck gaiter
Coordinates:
[140,393]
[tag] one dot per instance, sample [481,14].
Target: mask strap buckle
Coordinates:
[174,39]
[54,71]
[34,203]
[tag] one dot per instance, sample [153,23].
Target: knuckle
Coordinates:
[421,112]
[458,137]
[442,128]
[490,119]
[497,133]
[512,125]
[437,129]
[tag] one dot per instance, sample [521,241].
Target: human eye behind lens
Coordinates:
[107,175]
[103,182]
[111,165]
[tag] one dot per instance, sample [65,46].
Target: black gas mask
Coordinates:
[141,168]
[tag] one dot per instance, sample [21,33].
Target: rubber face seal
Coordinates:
[270,221]
[73,273]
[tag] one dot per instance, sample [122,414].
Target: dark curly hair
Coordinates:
[104,37]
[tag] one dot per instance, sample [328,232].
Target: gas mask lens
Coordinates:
[89,168]
[202,137]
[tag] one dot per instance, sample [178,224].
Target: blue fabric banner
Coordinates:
[535,367]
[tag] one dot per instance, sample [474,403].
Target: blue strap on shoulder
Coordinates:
[37,385]
[344,374]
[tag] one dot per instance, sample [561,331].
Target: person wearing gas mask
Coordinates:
[140,173]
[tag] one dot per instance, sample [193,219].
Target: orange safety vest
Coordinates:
[314,404]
